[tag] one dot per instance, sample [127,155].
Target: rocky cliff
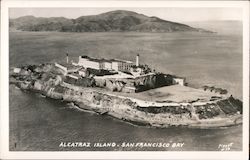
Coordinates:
[217,113]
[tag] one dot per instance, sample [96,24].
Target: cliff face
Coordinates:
[220,112]
[164,116]
[223,107]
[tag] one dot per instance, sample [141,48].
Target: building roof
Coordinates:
[96,59]
[120,60]
[68,65]
[82,70]
[105,60]
[119,75]
[178,77]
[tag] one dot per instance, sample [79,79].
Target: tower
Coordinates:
[67,58]
[137,60]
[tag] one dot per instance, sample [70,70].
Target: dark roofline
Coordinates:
[104,60]
[84,56]
[67,65]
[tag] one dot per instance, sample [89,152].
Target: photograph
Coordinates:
[126,79]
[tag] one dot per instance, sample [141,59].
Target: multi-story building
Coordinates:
[107,64]
[121,65]
[88,62]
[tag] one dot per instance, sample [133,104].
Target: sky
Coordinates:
[171,14]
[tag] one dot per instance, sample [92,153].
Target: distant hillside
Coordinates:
[107,22]
[220,27]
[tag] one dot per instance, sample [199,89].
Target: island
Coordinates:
[130,91]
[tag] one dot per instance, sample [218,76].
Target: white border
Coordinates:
[4,150]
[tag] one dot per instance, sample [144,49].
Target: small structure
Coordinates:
[179,81]
[137,60]
[137,71]
[129,89]
[67,58]
[67,68]
[74,76]
[82,72]
[17,70]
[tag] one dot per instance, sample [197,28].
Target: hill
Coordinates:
[119,20]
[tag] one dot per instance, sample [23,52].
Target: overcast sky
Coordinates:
[172,14]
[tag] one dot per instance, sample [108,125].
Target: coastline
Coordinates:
[126,110]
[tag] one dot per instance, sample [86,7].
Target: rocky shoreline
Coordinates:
[213,114]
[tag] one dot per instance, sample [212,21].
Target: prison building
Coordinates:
[106,64]
[121,65]
[88,62]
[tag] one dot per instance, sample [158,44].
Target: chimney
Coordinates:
[137,60]
[67,58]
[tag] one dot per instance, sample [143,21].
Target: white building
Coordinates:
[136,71]
[88,62]
[67,68]
[17,70]
[179,81]
[107,65]
[112,64]
[129,89]
[82,72]
[121,65]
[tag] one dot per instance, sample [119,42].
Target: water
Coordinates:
[204,59]
[41,124]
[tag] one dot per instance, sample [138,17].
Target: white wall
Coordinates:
[107,65]
[82,60]
[82,73]
[179,81]
[61,67]
[115,66]
[92,64]
[88,64]
[17,70]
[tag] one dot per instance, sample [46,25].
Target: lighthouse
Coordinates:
[137,60]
